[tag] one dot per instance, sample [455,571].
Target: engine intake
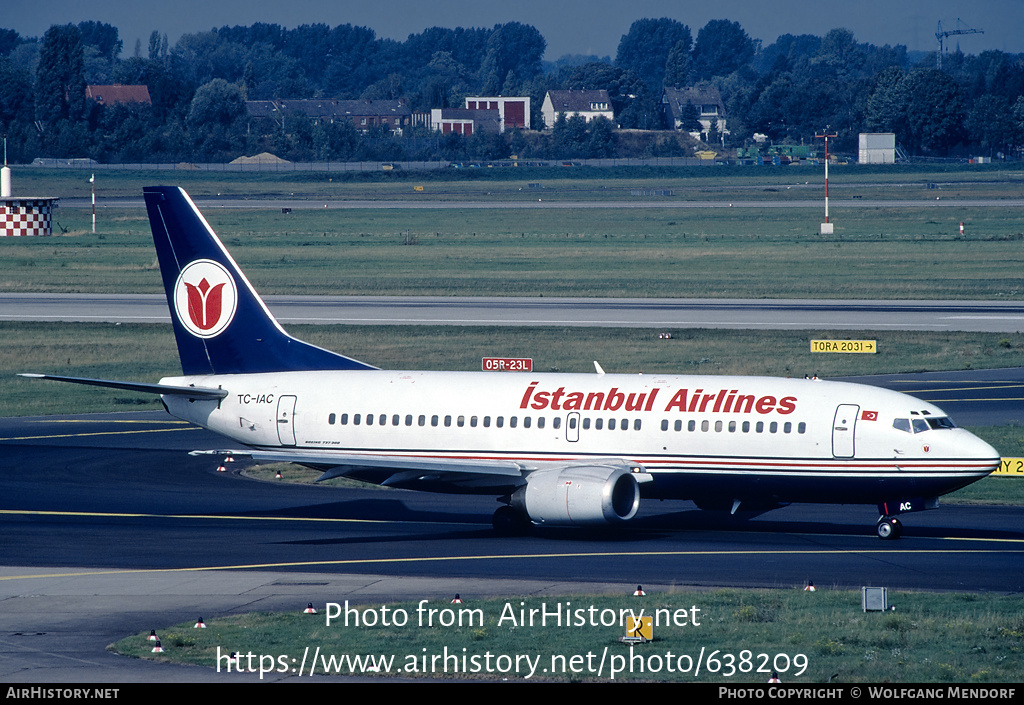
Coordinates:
[579,496]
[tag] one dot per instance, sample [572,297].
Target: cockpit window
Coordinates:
[921,425]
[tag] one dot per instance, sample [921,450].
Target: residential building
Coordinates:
[392,115]
[586,103]
[514,110]
[463,121]
[707,102]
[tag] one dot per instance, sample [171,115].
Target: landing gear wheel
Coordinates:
[508,522]
[889,528]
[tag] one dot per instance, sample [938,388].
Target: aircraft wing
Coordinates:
[410,472]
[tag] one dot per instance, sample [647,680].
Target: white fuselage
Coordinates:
[717,438]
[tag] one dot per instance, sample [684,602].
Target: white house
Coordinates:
[589,104]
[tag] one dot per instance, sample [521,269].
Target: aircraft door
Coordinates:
[572,427]
[286,419]
[843,429]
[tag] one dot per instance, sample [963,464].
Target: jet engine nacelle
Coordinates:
[579,496]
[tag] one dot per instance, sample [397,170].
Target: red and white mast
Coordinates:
[826,227]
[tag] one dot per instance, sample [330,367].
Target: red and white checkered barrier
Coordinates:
[22,217]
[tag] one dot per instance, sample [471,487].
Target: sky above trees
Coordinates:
[569,26]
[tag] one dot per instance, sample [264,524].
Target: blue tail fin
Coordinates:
[220,323]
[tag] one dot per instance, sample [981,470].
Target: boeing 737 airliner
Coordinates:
[557,449]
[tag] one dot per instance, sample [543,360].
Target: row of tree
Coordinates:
[788,90]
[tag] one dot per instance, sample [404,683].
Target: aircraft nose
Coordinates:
[973,447]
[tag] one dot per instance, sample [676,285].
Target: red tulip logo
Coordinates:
[205,298]
[204,304]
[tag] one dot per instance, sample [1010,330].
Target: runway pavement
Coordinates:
[555,202]
[791,314]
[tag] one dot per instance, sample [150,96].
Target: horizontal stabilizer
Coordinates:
[190,392]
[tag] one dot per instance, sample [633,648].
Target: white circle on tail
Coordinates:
[205,298]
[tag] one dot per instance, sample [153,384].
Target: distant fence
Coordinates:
[324,167]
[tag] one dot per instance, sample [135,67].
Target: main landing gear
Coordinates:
[509,522]
[889,528]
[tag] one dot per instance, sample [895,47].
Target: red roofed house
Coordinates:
[111,95]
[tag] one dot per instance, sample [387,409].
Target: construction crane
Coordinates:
[941,36]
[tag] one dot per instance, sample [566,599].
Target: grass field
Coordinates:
[824,637]
[870,181]
[741,252]
[145,352]
[883,252]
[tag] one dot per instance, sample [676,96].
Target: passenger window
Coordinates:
[636,424]
[556,422]
[773,427]
[461,421]
[801,427]
[408,420]
[447,421]
[526,422]
[472,421]
[396,420]
[331,418]
[679,425]
[746,427]
[611,424]
[433,420]
[355,419]
[664,424]
[344,419]
[598,424]
[718,426]
[422,420]
[732,427]
[704,426]
[540,422]
[692,426]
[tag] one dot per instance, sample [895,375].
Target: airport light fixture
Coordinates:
[826,227]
